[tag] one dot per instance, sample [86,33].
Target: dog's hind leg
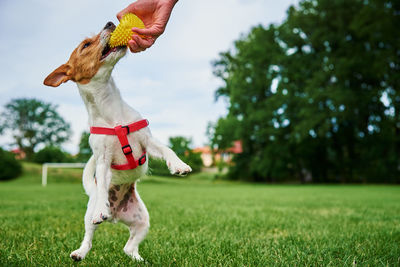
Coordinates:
[138,224]
[90,228]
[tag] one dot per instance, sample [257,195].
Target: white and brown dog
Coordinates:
[112,190]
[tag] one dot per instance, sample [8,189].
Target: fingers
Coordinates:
[122,13]
[152,31]
[134,47]
[138,44]
[143,42]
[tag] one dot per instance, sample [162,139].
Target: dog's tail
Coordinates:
[88,177]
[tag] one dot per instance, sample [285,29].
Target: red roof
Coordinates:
[235,149]
[204,150]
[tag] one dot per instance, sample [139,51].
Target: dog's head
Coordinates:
[92,59]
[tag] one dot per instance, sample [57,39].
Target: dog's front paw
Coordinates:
[179,168]
[101,215]
[77,255]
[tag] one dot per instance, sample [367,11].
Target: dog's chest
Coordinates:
[108,148]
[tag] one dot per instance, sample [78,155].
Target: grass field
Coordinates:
[196,221]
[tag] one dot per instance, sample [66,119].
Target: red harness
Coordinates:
[122,133]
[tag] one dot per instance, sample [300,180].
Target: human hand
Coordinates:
[155,15]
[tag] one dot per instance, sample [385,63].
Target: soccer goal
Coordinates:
[45,167]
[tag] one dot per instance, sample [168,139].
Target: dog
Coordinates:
[111,187]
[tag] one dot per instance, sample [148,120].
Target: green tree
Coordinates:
[84,148]
[316,95]
[52,154]
[32,122]
[158,167]
[182,147]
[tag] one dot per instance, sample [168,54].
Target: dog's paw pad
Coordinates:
[97,221]
[179,168]
[76,256]
[100,218]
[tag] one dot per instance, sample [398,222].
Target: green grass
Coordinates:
[199,222]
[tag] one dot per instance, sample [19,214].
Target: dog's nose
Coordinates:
[109,25]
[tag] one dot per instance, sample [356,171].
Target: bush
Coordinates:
[181,146]
[194,161]
[10,167]
[159,166]
[51,154]
[84,148]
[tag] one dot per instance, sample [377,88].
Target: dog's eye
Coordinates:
[86,45]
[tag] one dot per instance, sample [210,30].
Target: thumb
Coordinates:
[130,9]
[121,14]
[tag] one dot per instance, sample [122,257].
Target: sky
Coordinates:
[171,84]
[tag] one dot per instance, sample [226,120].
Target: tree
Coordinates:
[316,95]
[84,148]
[181,146]
[52,154]
[33,122]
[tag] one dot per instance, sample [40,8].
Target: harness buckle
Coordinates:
[127,150]
[127,129]
[142,160]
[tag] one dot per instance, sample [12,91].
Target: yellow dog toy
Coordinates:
[123,33]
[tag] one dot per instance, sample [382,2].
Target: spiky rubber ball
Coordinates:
[123,33]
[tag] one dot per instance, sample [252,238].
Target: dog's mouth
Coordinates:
[108,50]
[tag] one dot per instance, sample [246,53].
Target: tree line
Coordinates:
[38,130]
[315,98]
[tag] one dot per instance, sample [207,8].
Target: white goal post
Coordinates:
[45,166]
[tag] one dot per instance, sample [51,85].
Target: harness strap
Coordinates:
[122,133]
[129,128]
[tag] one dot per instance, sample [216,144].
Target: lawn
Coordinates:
[197,221]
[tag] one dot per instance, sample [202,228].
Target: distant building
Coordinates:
[19,154]
[205,154]
[237,147]
[209,158]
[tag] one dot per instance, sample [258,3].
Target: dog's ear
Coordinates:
[58,76]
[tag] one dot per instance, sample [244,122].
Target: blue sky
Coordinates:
[171,84]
